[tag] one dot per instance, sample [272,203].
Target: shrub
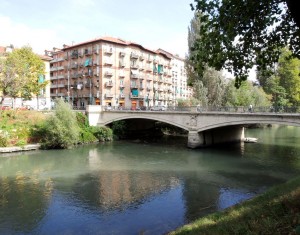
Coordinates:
[119,128]
[3,140]
[102,133]
[60,130]
[86,137]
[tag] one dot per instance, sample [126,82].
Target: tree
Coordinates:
[61,129]
[246,95]
[284,81]
[209,88]
[289,76]
[236,35]
[19,73]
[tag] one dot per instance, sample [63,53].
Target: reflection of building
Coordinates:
[111,71]
[114,189]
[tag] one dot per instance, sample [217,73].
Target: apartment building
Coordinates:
[113,72]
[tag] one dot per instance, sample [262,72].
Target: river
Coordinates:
[138,187]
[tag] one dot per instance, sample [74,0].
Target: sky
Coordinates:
[44,24]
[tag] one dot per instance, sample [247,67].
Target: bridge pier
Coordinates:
[228,134]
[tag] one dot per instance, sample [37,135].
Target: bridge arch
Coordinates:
[146,118]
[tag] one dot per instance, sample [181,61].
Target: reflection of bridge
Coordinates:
[204,128]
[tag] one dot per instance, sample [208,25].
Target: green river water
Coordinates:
[138,187]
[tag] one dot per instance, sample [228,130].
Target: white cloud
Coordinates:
[20,35]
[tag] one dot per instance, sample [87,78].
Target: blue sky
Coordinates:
[47,24]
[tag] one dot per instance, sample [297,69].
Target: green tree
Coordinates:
[283,83]
[236,35]
[60,130]
[244,96]
[19,73]
[289,76]
[208,88]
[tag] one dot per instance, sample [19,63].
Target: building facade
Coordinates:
[113,72]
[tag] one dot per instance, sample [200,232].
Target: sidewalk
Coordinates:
[18,149]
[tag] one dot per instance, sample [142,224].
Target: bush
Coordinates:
[119,128]
[86,137]
[3,140]
[102,133]
[60,130]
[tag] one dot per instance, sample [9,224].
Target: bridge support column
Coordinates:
[222,135]
[195,139]
[93,113]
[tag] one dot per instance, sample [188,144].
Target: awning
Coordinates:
[135,92]
[87,62]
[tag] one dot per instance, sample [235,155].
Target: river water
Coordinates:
[138,187]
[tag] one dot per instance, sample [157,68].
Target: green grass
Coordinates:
[15,125]
[275,212]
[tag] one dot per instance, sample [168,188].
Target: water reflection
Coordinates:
[131,188]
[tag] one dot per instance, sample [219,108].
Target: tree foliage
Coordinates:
[236,35]
[60,130]
[208,88]
[246,95]
[283,84]
[19,73]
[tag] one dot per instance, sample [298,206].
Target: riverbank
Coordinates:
[277,211]
[12,149]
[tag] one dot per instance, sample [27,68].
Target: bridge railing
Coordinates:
[229,109]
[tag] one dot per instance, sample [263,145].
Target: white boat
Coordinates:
[250,140]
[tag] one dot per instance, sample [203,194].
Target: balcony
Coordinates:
[74,75]
[133,86]
[108,62]
[134,55]
[88,74]
[74,66]
[134,66]
[109,95]
[148,69]
[142,58]
[148,88]
[122,64]
[108,51]
[96,51]
[87,52]
[122,54]
[132,96]
[108,74]
[56,68]
[134,76]
[122,86]
[109,84]
[61,76]
[141,87]
[122,96]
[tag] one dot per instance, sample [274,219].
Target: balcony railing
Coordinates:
[134,55]
[109,84]
[109,95]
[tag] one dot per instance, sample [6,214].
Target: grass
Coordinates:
[15,125]
[275,212]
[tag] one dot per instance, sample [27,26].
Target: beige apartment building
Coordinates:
[112,72]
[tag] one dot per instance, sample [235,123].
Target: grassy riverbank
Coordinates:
[275,212]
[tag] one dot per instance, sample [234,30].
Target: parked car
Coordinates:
[158,108]
[4,107]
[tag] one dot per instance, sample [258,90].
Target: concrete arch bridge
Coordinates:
[204,128]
